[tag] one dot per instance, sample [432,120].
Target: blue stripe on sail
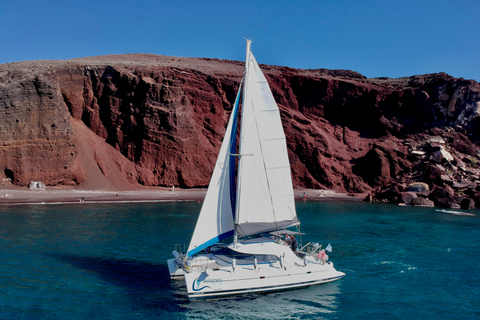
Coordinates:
[210,242]
[233,146]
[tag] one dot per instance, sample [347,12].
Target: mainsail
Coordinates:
[265,191]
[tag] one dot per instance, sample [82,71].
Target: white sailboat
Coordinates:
[252,207]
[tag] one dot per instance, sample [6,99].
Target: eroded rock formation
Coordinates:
[119,121]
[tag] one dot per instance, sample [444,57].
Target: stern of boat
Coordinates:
[174,270]
[175,266]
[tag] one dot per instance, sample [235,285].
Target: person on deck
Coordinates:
[322,256]
[293,243]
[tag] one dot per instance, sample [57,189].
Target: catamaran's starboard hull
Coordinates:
[223,282]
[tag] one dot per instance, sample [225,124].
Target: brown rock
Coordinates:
[433,174]
[464,146]
[418,187]
[442,155]
[442,197]
[446,179]
[374,167]
[408,197]
[422,202]
[388,194]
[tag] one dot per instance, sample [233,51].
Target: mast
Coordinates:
[245,86]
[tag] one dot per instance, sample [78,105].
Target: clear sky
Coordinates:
[376,38]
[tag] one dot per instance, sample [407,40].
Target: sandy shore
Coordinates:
[74,196]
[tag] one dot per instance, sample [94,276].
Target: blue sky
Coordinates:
[376,38]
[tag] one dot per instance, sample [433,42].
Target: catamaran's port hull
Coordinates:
[174,270]
[220,283]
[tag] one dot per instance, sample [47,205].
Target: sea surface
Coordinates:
[108,261]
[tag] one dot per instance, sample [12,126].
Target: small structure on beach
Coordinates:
[36,185]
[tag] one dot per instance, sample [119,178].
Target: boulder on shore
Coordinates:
[442,155]
[408,197]
[418,187]
[422,202]
[443,197]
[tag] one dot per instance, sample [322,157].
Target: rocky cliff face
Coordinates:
[36,135]
[158,121]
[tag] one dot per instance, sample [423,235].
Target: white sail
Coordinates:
[265,191]
[215,221]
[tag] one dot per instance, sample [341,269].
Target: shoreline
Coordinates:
[65,195]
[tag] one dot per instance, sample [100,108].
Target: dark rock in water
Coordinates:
[388,194]
[467,203]
[422,202]
[408,197]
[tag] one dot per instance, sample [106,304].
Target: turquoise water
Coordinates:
[108,261]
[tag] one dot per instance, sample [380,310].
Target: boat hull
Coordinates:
[174,269]
[247,279]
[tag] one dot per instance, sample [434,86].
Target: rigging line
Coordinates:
[273,139]
[278,167]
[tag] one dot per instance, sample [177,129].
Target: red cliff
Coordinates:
[121,121]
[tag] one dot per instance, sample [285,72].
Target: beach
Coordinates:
[65,195]
[74,196]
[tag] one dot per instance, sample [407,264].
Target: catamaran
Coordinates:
[238,244]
